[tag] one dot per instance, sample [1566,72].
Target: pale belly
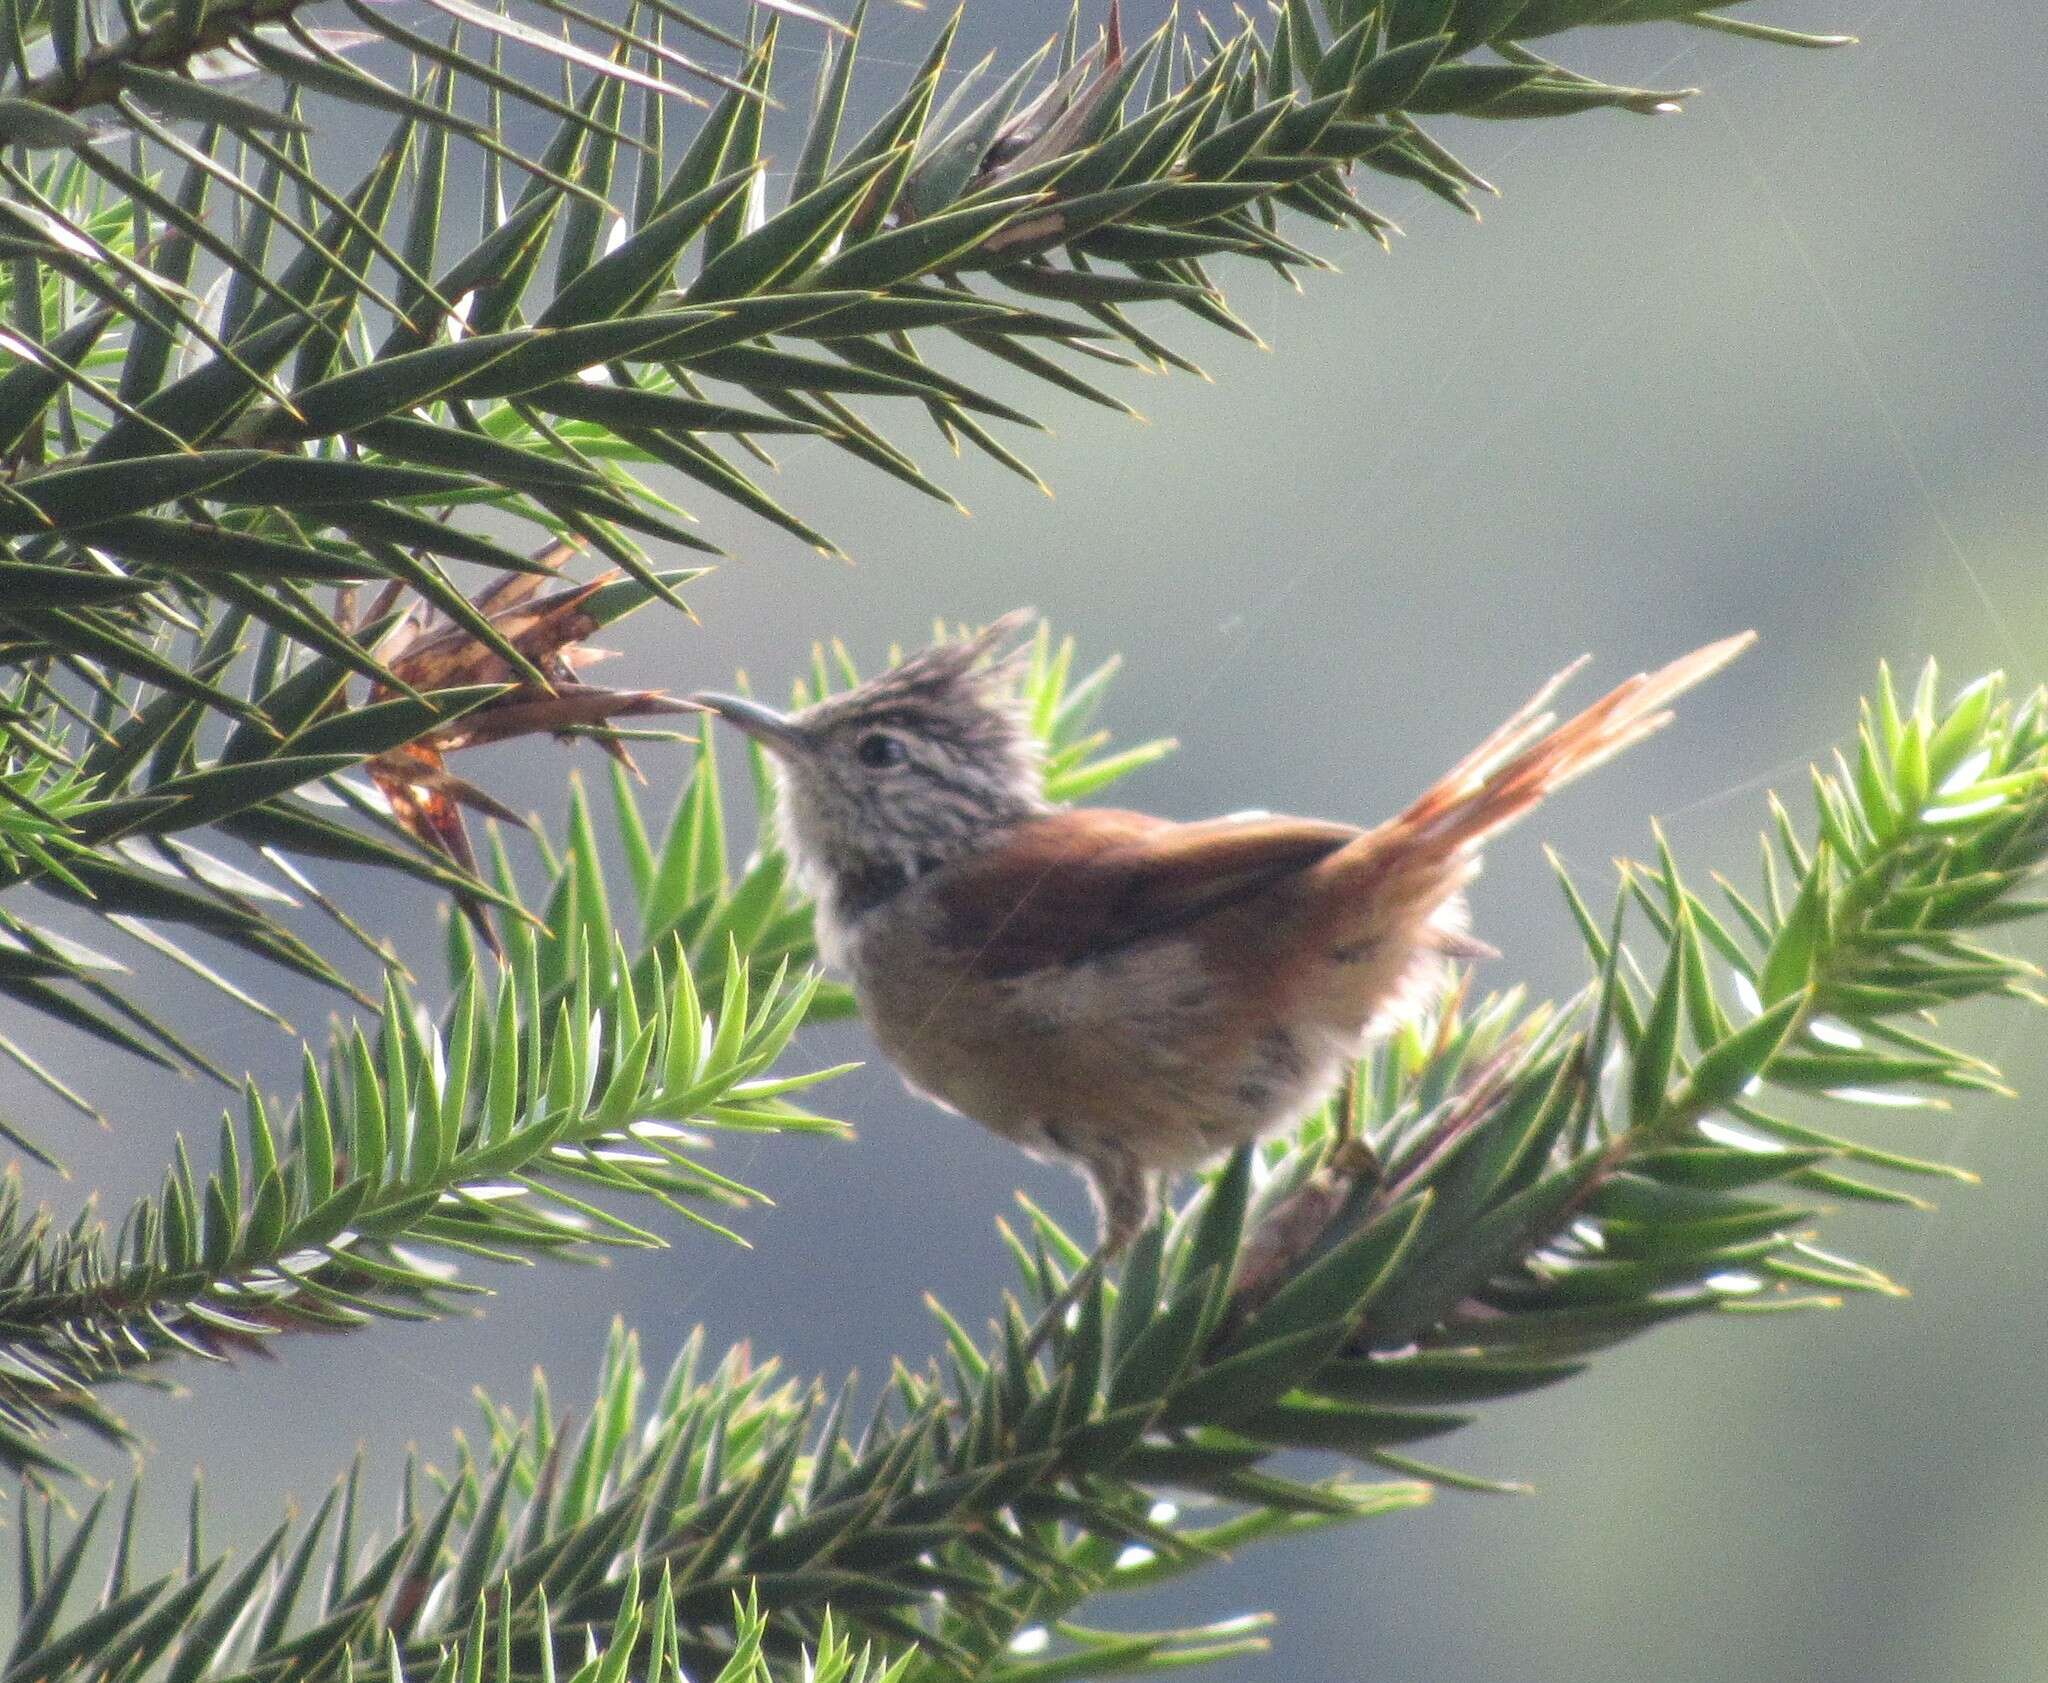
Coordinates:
[1131,1046]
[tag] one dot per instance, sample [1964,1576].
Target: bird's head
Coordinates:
[920,765]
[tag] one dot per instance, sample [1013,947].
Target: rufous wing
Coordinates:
[1072,885]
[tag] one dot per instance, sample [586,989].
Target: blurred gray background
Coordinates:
[1776,362]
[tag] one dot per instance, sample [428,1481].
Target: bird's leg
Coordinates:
[1345,1123]
[1126,1198]
[1351,1154]
[1126,1194]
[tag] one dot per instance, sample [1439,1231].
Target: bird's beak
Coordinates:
[766,726]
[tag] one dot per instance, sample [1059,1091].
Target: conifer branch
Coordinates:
[1507,1192]
[236,380]
[616,1043]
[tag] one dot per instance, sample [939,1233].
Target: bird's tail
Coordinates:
[1395,894]
[1532,756]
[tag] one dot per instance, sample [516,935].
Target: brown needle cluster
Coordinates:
[432,652]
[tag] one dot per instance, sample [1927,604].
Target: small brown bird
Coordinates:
[1127,993]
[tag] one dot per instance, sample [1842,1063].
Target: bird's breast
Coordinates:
[1144,1042]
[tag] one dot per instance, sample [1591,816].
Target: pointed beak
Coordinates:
[766,726]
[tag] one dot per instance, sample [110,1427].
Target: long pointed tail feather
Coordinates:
[1531,756]
[1398,886]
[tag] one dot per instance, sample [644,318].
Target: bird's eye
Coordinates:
[879,748]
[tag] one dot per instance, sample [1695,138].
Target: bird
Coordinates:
[1129,994]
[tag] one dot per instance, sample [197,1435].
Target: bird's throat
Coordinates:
[871,883]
